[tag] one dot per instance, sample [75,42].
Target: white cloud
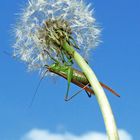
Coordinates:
[124,135]
[38,134]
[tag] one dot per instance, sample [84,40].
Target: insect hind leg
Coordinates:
[88,93]
[69,98]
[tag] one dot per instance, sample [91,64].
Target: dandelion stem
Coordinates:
[105,107]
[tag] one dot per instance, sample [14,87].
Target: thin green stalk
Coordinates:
[108,117]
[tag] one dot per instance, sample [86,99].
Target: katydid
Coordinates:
[72,75]
[75,76]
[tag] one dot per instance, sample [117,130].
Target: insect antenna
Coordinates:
[8,54]
[36,90]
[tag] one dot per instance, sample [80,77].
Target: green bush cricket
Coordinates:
[71,75]
[75,76]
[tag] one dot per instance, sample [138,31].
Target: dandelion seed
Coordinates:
[44,23]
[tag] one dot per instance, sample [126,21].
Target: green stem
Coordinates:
[108,117]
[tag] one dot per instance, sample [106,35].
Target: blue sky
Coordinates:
[115,61]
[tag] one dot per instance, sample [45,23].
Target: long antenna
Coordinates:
[36,90]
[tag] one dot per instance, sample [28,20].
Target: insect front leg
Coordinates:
[69,77]
[56,61]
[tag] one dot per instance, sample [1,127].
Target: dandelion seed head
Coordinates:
[43,23]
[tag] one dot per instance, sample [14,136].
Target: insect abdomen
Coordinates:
[80,77]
